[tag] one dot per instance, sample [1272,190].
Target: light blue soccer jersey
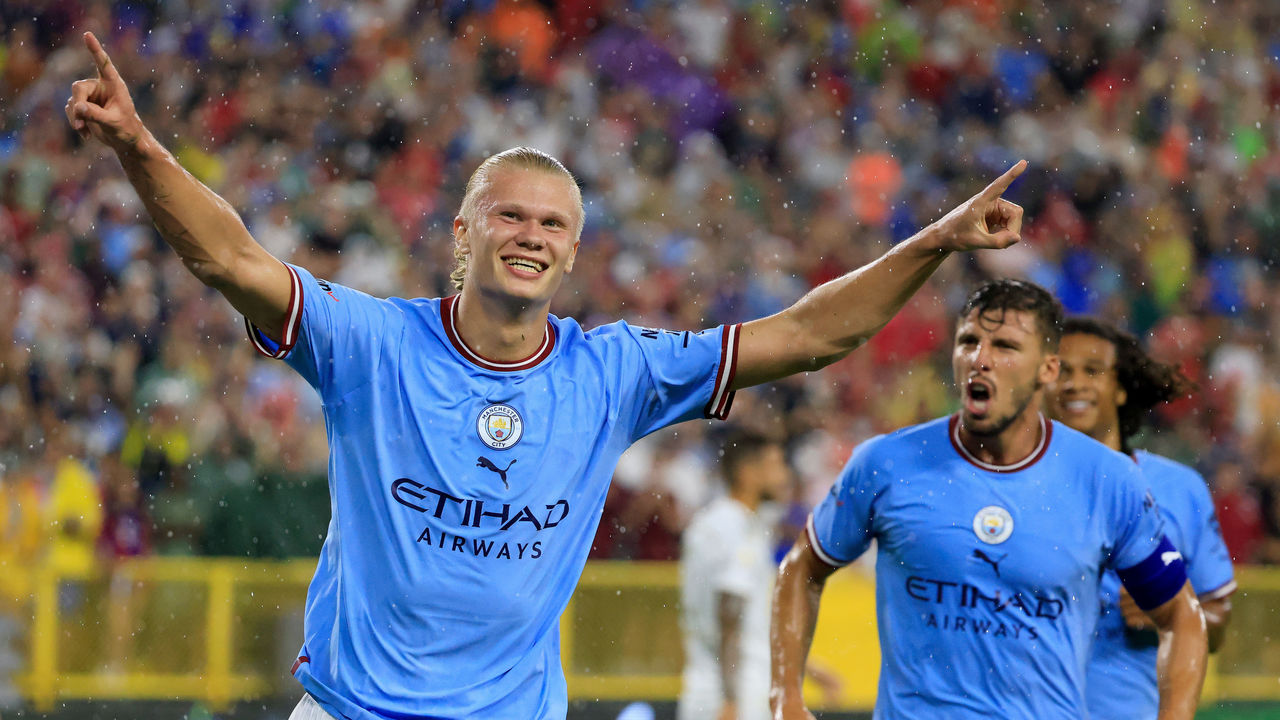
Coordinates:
[1122,669]
[986,576]
[466,493]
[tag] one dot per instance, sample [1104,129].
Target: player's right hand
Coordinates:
[101,107]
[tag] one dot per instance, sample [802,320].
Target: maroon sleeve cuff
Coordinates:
[292,323]
[721,395]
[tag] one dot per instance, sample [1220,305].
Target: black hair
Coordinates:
[1007,294]
[739,447]
[1147,382]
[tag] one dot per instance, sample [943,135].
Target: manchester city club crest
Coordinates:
[993,524]
[499,426]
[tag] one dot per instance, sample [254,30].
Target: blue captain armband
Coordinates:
[1154,581]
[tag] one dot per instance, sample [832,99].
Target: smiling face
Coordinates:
[523,237]
[1000,363]
[1087,395]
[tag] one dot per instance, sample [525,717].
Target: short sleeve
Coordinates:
[1208,564]
[840,528]
[669,377]
[334,336]
[1135,523]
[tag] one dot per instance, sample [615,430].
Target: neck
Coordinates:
[749,498]
[1111,438]
[1010,446]
[499,329]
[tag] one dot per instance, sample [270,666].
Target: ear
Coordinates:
[1122,397]
[573,255]
[1049,369]
[460,235]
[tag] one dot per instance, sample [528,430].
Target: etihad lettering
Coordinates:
[473,512]
[964,595]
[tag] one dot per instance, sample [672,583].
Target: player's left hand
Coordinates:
[986,220]
[1134,616]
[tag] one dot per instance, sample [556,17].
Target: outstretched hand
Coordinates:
[986,220]
[101,107]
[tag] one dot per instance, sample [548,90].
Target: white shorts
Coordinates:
[309,709]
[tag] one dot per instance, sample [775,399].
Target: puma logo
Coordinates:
[995,564]
[487,464]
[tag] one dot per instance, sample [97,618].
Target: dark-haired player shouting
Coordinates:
[993,528]
[1106,389]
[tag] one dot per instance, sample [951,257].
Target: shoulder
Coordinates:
[1093,464]
[879,458]
[1164,469]
[1169,477]
[622,331]
[720,518]
[1084,451]
[909,442]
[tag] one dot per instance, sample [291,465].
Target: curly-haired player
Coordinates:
[1106,389]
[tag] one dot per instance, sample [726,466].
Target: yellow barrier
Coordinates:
[222,630]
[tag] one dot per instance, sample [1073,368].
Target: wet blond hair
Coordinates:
[525,158]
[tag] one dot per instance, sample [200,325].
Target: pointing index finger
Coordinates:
[1002,183]
[106,70]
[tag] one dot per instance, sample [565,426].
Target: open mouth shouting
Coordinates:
[978,394]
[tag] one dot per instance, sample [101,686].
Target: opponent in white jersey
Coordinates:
[726,582]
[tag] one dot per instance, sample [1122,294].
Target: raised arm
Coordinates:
[796,598]
[200,226]
[835,318]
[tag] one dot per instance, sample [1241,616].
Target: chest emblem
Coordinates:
[993,524]
[499,426]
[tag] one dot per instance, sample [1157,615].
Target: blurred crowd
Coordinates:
[732,153]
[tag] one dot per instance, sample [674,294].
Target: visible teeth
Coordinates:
[1077,405]
[529,265]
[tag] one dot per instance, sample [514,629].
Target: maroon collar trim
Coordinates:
[1046,434]
[449,317]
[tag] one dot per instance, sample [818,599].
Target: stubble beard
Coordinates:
[1007,421]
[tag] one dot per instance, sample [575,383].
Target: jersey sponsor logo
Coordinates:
[1014,612]
[993,524]
[473,512]
[499,426]
[487,464]
[464,512]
